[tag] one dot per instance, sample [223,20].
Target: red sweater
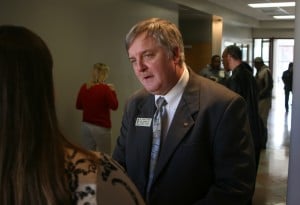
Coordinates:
[96,103]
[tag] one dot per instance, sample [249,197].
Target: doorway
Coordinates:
[283,55]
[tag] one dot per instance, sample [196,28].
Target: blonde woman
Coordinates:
[96,99]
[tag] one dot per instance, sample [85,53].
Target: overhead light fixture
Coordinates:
[269,5]
[284,17]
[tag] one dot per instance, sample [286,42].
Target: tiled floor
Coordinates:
[271,183]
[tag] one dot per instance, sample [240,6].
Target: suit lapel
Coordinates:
[182,122]
[146,110]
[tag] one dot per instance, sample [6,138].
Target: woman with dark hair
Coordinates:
[38,165]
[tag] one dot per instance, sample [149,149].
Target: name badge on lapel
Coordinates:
[143,122]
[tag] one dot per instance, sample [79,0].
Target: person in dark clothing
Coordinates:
[205,150]
[213,71]
[264,82]
[243,82]
[287,78]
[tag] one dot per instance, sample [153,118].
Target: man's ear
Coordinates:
[176,54]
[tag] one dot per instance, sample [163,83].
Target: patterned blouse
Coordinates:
[102,180]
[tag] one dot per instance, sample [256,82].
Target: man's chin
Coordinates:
[152,90]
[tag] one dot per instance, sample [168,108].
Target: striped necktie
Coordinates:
[158,120]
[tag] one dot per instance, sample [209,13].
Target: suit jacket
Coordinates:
[208,155]
[243,82]
[287,78]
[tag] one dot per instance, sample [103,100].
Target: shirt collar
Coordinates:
[174,95]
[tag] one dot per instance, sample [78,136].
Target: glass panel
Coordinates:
[244,49]
[257,47]
[265,51]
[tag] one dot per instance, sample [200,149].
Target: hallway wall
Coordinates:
[293,196]
[79,34]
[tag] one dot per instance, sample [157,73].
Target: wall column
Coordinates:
[293,196]
[217,32]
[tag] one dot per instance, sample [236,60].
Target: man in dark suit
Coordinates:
[243,82]
[206,155]
[287,78]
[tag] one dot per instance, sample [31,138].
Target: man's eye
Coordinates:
[132,61]
[148,56]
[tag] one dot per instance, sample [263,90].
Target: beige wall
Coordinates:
[80,33]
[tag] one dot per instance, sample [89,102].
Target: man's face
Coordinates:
[216,63]
[257,65]
[225,61]
[157,71]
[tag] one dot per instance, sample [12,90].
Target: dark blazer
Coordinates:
[207,157]
[243,82]
[287,78]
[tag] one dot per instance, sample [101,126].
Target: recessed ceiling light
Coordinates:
[278,4]
[284,17]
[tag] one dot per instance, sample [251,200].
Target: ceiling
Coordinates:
[261,14]
[238,6]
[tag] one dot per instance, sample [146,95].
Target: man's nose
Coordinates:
[141,65]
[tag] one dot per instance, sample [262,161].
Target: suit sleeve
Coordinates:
[233,158]
[120,148]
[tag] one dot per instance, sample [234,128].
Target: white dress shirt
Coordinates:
[173,97]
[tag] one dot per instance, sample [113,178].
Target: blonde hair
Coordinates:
[99,74]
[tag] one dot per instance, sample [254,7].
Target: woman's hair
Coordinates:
[99,74]
[163,31]
[31,144]
[102,71]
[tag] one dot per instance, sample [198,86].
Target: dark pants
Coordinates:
[287,97]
